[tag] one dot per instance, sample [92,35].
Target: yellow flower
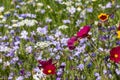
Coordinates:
[118,34]
[103,17]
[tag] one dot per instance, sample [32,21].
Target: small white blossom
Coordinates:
[72,9]
[0,60]
[1,9]
[39,75]
[24,34]
[39,4]
[63,27]
[117,71]
[42,45]
[6,63]
[20,78]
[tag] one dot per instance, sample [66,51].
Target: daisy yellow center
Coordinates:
[49,71]
[116,55]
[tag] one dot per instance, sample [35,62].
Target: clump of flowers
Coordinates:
[82,33]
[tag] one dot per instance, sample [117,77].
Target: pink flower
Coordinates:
[72,42]
[83,32]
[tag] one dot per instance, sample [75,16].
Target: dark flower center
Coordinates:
[103,17]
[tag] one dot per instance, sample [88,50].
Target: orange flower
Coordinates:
[103,17]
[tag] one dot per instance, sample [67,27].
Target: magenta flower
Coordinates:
[44,63]
[72,42]
[83,32]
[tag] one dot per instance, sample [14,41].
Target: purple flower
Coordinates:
[14,60]
[32,39]
[17,6]
[112,28]
[108,65]
[42,11]
[4,37]
[11,76]
[118,42]
[42,30]
[57,57]
[22,72]
[28,74]
[104,71]
[12,32]
[10,54]
[98,78]
[62,65]
[23,15]
[59,73]
[89,9]
[20,78]
[58,78]
[117,71]
[17,38]
[80,66]
[112,16]
[89,65]
[29,49]
[96,74]
[93,54]
[15,48]
[66,21]
[48,20]
[58,34]
[108,5]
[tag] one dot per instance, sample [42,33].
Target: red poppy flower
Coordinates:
[49,69]
[45,63]
[72,42]
[83,32]
[115,54]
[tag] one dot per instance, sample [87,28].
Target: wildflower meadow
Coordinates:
[59,39]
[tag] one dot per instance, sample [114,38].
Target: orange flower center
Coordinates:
[49,71]
[116,55]
[103,17]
